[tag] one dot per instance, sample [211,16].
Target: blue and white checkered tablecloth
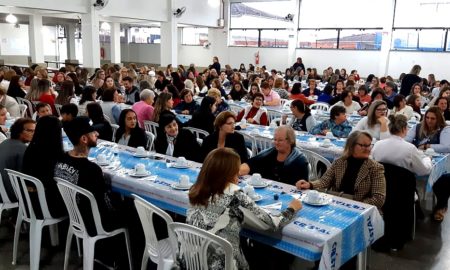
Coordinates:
[332,233]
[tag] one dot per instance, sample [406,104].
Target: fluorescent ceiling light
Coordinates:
[11,19]
[105,26]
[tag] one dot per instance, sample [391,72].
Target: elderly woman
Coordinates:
[175,142]
[283,162]
[354,173]
[188,105]
[302,119]
[255,113]
[221,105]
[400,107]
[347,102]
[376,122]
[218,205]
[144,109]
[224,136]
[9,103]
[337,124]
[395,150]
[432,132]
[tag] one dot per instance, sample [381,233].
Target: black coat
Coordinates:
[186,145]
[137,137]
[234,140]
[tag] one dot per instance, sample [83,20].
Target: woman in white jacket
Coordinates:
[400,107]
[375,122]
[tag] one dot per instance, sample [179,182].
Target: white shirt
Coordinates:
[349,109]
[406,111]
[395,150]
[444,139]
[374,131]
[2,137]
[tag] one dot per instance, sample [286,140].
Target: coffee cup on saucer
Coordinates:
[329,134]
[139,169]
[140,151]
[250,191]
[256,179]
[326,142]
[101,158]
[181,161]
[313,196]
[430,151]
[183,181]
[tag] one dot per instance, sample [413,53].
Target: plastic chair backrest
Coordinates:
[313,160]
[58,108]
[274,115]
[151,127]
[287,104]
[283,101]
[146,210]
[194,243]
[70,194]
[28,103]
[23,110]
[249,140]
[19,182]
[320,106]
[417,116]
[3,193]
[150,140]
[114,129]
[107,119]
[199,133]
[235,108]
[262,143]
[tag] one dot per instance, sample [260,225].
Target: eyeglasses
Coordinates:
[279,140]
[258,99]
[364,145]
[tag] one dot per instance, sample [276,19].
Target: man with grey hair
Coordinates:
[144,108]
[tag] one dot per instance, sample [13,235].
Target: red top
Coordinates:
[302,97]
[263,121]
[50,100]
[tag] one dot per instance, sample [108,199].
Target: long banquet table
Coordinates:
[332,234]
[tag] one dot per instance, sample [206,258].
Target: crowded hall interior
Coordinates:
[224,134]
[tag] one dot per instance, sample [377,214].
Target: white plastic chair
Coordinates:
[249,139]
[287,104]
[274,116]
[262,143]
[193,246]
[114,129]
[70,193]
[235,108]
[6,201]
[160,252]
[313,159]
[23,110]
[26,213]
[150,140]
[283,102]
[151,127]
[106,118]
[200,134]
[320,106]
[27,103]
[58,109]
[417,116]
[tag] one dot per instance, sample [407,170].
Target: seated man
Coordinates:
[337,124]
[283,162]
[42,109]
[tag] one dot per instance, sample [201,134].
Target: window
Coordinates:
[318,39]
[261,15]
[247,38]
[274,38]
[360,39]
[194,36]
[422,13]
[147,35]
[419,39]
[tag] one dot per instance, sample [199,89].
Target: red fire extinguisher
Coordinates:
[102,53]
[257,58]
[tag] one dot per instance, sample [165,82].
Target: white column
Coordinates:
[71,41]
[293,34]
[91,39]
[383,65]
[169,38]
[115,43]
[35,39]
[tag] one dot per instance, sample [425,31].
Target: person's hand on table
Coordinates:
[303,184]
[296,205]
[324,132]
[250,120]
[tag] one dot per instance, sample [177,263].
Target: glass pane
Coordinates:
[360,39]
[431,40]
[422,13]
[405,39]
[49,38]
[274,38]
[244,38]
[194,36]
[145,35]
[261,14]
[325,39]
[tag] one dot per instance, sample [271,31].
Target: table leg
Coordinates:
[361,263]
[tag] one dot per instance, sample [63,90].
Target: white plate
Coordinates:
[133,174]
[433,154]
[256,198]
[103,163]
[261,185]
[326,145]
[140,155]
[178,187]
[324,200]
[175,165]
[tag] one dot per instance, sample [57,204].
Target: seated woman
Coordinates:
[348,103]
[218,205]
[283,163]
[416,89]
[188,105]
[164,103]
[221,105]
[296,93]
[302,119]
[363,95]
[176,142]
[442,103]
[337,124]
[376,122]
[110,106]
[129,133]
[432,132]
[9,103]
[88,95]
[3,129]
[414,102]
[237,92]
[46,95]
[312,90]
[354,173]
[224,136]
[103,127]
[400,107]
[326,96]
[66,94]
[441,189]
[395,150]
[254,88]
[204,117]
[255,113]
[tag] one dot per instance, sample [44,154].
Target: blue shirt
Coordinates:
[341,131]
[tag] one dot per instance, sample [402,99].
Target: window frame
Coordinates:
[259,37]
[445,45]
[182,34]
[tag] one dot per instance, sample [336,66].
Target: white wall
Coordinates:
[199,12]
[155,10]
[431,62]
[70,6]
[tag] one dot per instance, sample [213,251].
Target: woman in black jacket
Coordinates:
[224,136]
[129,132]
[176,142]
[203,118]
[99,122]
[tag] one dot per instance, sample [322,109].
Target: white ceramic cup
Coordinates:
[355,113]
[413,119]
[430,151]
[140,151]
[183,180]
[329,134]
[140,169]
[249,190]
[326,141]
[313,196]
[181,161]
[66,147]
[256,179]
[101,158]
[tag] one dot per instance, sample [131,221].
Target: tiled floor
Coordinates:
[430,250]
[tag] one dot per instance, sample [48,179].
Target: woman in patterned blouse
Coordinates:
[218,205]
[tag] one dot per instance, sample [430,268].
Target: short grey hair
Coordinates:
[146,93]
[189,84]
[290,134]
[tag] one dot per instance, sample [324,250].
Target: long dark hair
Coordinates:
[205,106]
[76,83]
[219,169]
[66,93]
[95,112]
[296,89]
[122,126]
[87,94]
